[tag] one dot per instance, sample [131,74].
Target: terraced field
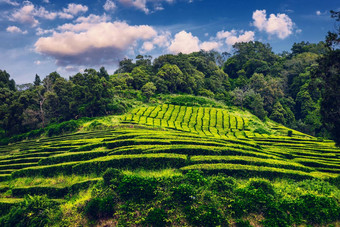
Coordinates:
[178,137]
[205,121]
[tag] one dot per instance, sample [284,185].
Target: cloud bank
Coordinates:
[92,42]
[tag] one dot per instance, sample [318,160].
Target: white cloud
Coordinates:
[25,15]
[15,29]
[109,5]
[40,31]
[318,12]
[13,3]
[92,43]
[46,1]
[72,10]
[37,62]
[75,9]
[233,36]
[185,43]
[142,4]
[211,45]
[28,12]
[161,40]
[280,25]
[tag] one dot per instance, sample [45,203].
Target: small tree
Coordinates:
[149,89]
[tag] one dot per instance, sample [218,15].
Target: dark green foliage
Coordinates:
[33,211]
[242,223]
[318,209]
[112,176]
[222,184]
[195,178]
[137,188]
[205,215]
[156,217]
[183,194]
[290,132]
[190,100]
[98,208]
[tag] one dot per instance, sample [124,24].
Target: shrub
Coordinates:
[262,184]
[137,188]
[98,208]
[290,133]
[195,177]
[222,184]
[204,215]
[112,176]
[183,194]
[33,211]
[156,217]
[318,209]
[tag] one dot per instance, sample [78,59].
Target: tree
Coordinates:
[172,76]
[333,38]
[278,113]
[37,80]
[149,90]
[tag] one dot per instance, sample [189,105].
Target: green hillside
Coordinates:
[166,141]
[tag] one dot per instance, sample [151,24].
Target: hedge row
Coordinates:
[98,165]
[53,192]
[246,160]
[316,163]
[17,166]
[46,171]
[147,161]
[247,171]
[19,160]
[71,157]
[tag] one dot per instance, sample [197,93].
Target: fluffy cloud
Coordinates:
[210,45]
[13,3]
[184,42]
[15,29]
[72,10]
[109,5]
[28,12]
[87,43]
[280,25]
[25,15]
[233,36]
[142,4]
[161,40]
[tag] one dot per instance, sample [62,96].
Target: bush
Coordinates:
[156,217]
[183,194]
[195,178]
[98,208]
[33,211]
[222,184]
[204,215]
[262,184]
[319,209]
[137,188]
[290,133]
[112,176]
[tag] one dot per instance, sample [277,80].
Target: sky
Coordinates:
[43,36]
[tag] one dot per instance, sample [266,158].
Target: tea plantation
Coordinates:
[172,165]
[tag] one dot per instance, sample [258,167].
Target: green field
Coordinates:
[158,138]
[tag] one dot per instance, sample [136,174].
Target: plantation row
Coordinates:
[133,148]
[201,120]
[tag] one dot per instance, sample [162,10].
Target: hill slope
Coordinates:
[182,138]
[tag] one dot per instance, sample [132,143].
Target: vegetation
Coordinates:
[178,141]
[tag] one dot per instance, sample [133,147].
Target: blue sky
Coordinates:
[39,37]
